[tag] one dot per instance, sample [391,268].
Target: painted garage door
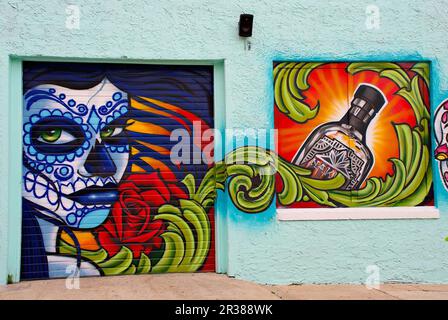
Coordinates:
[118,173]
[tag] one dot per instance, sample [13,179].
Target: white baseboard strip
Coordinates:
[288,214]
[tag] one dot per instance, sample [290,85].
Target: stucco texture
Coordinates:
[259,247]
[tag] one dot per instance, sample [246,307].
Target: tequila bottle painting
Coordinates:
[340,146]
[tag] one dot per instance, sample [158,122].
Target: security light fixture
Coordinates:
[245,25]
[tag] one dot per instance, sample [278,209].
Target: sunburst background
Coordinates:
[333,88]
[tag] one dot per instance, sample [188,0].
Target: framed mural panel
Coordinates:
[102,192]
[357,134]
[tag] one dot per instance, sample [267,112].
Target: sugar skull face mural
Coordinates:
[441,133]
[75,151]
[100,192]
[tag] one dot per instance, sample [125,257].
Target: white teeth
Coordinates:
[41,182]
[40,191]
[90,182]
[70,188]
[62,188]
[67,188]
[100,182]
[91,206]
[52,197]
[67,203]
[79,184]
[29,181]
[40,187]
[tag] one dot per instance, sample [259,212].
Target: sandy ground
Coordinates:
[209,286]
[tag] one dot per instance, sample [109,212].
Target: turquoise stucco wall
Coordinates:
[258,247]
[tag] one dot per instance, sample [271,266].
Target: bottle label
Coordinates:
[328,156]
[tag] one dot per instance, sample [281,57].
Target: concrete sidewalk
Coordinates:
[208,286]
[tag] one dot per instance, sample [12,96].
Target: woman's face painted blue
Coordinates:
[75,150]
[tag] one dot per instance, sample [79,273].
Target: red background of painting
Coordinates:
[333,88]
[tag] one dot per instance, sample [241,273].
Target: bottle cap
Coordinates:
[372,95]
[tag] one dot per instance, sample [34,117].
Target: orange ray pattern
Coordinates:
[333,88]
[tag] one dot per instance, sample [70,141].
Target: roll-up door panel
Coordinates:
[116,172]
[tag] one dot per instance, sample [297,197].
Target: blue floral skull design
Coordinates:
[75,151]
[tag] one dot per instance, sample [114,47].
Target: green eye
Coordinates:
[110,132]
[107,132]
[55,136]
[51,135]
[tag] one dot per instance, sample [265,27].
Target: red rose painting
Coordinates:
[131,222]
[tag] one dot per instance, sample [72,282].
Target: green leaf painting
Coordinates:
[290,79]
[186,239]
[252,188]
